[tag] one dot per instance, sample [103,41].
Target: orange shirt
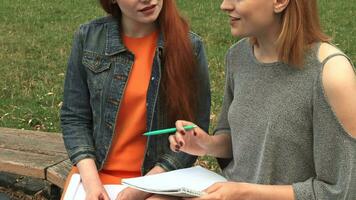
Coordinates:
[127,150]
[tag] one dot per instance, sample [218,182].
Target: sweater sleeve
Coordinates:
[334,155]
[223,124]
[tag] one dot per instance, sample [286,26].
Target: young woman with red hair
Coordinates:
[137,70]
[287,129]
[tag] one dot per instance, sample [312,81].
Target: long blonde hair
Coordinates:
[300,29]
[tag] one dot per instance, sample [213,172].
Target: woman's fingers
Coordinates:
[179,138]
[213,188]
[104,196]
[181,132]
[119,196]
[190,141]
[173,143]
[199,132]
[181,123]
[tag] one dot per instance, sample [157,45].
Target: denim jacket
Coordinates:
[97,73]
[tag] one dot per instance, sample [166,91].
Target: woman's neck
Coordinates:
[267,49]
[136,29]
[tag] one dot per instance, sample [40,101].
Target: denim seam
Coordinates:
[172,162]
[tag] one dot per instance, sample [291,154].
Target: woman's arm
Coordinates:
[334,141]
[198,142]
[220,146]
[91,181]
[339,81]
[76,122]
[243,191]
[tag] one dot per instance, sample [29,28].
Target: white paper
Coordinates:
[72,187]
[174,182]
[112,190]
[75,189]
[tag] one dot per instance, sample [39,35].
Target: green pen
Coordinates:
[168,130]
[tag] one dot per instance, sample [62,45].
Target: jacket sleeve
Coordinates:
[76,114]
[204,102]
[172,160]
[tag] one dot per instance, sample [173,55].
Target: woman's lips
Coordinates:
[148,10]
[234,18]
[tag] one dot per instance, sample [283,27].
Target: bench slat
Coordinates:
[57,174]
[34,153]
[27,163]
[32,141]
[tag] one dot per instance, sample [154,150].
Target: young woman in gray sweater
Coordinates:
[288,121]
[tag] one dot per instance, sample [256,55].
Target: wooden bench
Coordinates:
[34,154]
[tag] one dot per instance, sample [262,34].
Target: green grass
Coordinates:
[36,36]
[35,39]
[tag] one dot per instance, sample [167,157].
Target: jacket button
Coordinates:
[119,77]
[153,78]
[113,101]
[108,125]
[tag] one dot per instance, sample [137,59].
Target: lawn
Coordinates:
[36,35]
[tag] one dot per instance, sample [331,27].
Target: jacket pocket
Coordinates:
[95,62]
[98,73]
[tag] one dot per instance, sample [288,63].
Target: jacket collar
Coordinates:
[114,43]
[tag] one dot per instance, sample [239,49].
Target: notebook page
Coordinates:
[72,187]
[194,178]
[75,189]
[112,190]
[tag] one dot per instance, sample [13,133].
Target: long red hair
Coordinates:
[179,83]
[300,29]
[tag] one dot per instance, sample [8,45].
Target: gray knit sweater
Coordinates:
[283,129]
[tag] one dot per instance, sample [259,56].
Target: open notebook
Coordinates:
[188,182]
[75,189]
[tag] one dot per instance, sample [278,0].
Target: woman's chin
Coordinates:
[236,33]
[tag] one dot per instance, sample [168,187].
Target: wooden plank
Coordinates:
[57,174]
[27,163]
[32,141]
[34,153]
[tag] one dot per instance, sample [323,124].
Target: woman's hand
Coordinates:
[198,142]
[242,191]
[92,185]
[194,141]
[225,191]
[96,191]
[132,194]
[162,197]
